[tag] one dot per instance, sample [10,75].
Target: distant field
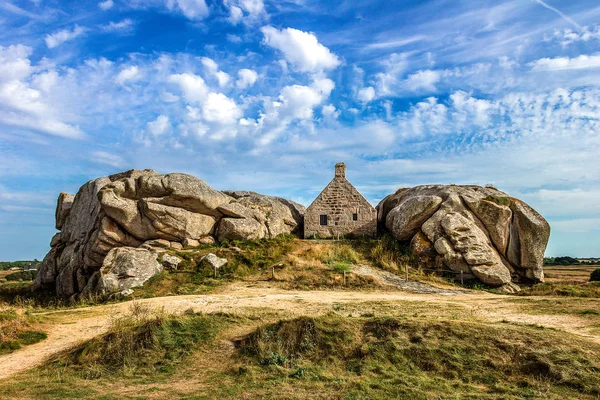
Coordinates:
[568,273]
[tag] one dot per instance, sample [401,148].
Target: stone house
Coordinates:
[340,210]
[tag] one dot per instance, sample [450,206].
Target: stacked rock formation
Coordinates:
[480,231]
[115,224]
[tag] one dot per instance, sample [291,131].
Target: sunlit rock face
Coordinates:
[477,230]
[136,208]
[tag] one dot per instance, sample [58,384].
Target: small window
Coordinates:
[323,219]
[355,217]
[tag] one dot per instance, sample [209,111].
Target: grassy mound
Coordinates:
[588,290]
[417,358]
[143,343]
[16,330]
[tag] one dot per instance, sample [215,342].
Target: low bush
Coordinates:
[22,275]
[595,275]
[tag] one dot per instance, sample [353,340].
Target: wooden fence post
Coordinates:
[273,272]
[461,278]
[406,267]
[344,277]
[215,267]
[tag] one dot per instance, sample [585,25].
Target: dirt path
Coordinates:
[66,328]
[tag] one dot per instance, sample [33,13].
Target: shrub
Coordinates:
[595,275]
[22,276]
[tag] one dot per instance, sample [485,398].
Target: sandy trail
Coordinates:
[66,328]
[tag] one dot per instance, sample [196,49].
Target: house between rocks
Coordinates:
[340,210]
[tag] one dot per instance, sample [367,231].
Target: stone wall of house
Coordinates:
[339,201]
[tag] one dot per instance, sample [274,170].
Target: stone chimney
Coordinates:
[340,170]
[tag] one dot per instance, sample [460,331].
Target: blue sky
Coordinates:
[268,95]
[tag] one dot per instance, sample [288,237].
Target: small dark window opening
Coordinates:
[354,217]
[323,219]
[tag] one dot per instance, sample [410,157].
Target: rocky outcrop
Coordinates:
[480,231]
[148,211]
[275,215]
[123,268]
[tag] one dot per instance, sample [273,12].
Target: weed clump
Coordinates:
[16,330]
[143,342]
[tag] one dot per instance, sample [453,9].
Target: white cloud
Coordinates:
[159,126]
[103,157]
[423,80]
[566,63]
[45,81]
[298,101]
[125,25]
[131,73]
[106,5]
[221,109]
[366,94]
[193,86]
[57,38]
[568,36]
[248,11]
[213,69]
[246,78]
[330,112]
[301,49]
[14,62]
[191,9]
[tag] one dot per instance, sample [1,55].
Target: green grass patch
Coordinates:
[588,290]
[17,330]
[143,343]
[379,358]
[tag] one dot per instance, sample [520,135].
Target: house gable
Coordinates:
[343,208]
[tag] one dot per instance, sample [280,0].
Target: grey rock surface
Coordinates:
[476,230]
[150,211]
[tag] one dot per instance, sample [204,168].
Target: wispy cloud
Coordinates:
[57,38]
[561,14]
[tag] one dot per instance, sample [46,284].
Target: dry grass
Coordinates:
[17,330]
[331,356]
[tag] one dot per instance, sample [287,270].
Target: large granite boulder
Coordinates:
[144,209]
[479,231]
[274,215]
[124,268]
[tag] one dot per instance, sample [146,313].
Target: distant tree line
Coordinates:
[566,260]
[5,265]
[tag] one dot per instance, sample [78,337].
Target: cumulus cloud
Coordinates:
[566,63]
[425,80]
[248,11]
[106,5]
[366,94]
[191,9]
[301,49]
[213,69]
[246,78]
[159,126]
[131,73]
[14,62]
[221,109]
[193,86]
[57,38]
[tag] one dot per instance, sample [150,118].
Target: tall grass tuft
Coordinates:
[143,342]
